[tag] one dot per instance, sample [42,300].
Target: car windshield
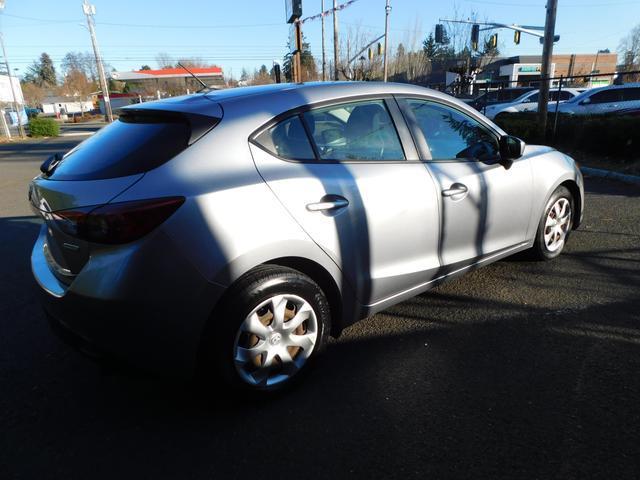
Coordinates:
[580,96]
[524,95]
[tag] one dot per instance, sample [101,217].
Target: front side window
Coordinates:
[451,134]
[564,95]
[354,131]
[287,139]
[606,96]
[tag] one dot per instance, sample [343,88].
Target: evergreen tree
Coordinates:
[42,72]
[307,64]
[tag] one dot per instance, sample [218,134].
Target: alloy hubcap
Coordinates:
[557,224]
[275,340]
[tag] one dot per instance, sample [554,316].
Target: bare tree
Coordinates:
[164,60]
[629,49]
[193,62]
[76,84]
[33,94]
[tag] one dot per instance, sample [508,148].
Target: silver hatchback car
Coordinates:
[232,232]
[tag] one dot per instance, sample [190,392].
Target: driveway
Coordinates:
[517,370]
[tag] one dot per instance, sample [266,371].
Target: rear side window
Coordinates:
[355,131]
[288,139]
[132,144]
[629,94]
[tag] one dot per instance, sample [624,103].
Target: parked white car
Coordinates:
[613,98]
[529,101]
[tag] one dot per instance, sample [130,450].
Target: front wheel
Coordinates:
[272,324]
[555,225]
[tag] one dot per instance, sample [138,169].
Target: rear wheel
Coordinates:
[272,324]
[555,225]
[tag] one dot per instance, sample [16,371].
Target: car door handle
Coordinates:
[330,202]
[456,189]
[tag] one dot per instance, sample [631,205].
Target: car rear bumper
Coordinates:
[145,305]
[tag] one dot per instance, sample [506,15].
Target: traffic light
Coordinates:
[439,33]
[370,54]
[379,48]
[493,40]
[475,36]
[516,37]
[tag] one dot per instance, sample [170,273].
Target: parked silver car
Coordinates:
[596,101]
[529,102]
[231,232]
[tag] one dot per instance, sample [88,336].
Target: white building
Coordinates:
[5,90]
[62,105]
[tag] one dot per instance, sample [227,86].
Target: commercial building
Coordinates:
[524,70]
[169,81]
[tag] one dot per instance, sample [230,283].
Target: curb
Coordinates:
[599,172]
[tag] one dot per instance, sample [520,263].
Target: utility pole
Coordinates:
[297,57]
[387,10]
[90,11]
[547,53]
[335,40]
[13,90]
[16,106]
[324,56]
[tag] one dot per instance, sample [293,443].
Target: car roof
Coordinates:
[320,90]
[591,91]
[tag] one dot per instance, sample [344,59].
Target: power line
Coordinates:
[537,5]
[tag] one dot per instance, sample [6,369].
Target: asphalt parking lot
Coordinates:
[517,370]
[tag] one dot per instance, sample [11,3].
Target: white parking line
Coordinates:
[77,134]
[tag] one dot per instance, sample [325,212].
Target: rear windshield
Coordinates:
[130,145]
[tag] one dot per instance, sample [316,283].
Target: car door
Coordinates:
[630,98]
[529,103]
[601,102]
[355,185]
[485,206]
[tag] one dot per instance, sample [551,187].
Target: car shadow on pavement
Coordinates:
[448,384]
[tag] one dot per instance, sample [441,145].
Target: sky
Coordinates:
[248,33]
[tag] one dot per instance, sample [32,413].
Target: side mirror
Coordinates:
[586,101]
[50,164]
[511,148]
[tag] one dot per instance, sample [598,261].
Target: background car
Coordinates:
[613,98]
[230,233]
[497,96]
[529,102]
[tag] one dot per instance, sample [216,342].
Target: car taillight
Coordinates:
[116,223]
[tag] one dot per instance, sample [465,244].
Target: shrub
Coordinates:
[44,127]
[610,135]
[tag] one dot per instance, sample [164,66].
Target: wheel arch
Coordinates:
[573,188]
[324,279]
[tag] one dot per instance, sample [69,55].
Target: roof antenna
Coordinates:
[204,85]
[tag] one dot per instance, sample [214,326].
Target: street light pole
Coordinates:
[90,11]
[547,53]
[387,10]
[13,90]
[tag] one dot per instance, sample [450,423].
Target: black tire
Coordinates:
[218,347]
[540,250]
